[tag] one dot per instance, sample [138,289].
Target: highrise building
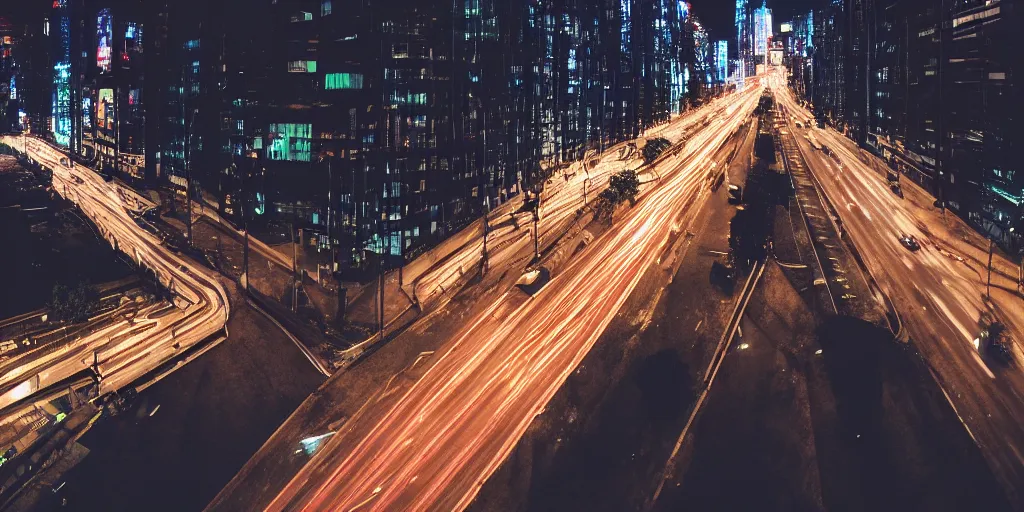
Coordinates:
[745,37]
[931,88]
[61,104]
[801,55]
[721,61]
[980,60]
[762,33]
[886,101]
[10,104]
[374,128]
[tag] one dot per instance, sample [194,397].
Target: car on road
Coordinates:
[910,242]
[532,281]
[735,194]
[995,343]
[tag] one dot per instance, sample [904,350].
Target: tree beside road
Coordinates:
[622,186]
[74,304]
[654,148]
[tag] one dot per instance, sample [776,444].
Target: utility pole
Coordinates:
[243,210]
[536,228]
[295,269]
[330,206]
[991,248]
[188,172]
[487,228]
[380,286]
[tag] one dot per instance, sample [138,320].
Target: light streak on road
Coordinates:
[432,445]
[125,350]
[561,199]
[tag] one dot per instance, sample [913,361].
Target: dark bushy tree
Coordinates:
[654,149]
[622,186]
[74,304]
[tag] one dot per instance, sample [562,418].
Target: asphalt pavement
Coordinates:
[815,409]
[603,441]
[565,322]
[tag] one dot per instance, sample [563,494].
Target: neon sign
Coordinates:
[104,33]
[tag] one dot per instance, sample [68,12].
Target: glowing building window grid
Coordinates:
[302,66]
[290,142]
[409,98]
[626,24]
[722,60]
[62,103]
[343,81]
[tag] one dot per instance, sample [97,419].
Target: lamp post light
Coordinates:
[988,286]
[188,172]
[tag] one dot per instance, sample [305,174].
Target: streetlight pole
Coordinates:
[536,228]
[242,210]
[991,248]
[188,172]
[295,269]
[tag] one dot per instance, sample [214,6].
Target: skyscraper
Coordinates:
[61,104]
[762,32]
[745,37]
[721,60]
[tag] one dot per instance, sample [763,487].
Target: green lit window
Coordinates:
[290,142]
[343,81]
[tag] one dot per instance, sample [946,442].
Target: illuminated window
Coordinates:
[325,7]
[343,81]
[302,66]
[410,98]
[290,142]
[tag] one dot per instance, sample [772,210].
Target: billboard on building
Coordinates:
[104,37]
[722,60]
[786,27]
[87,113]
[105,109]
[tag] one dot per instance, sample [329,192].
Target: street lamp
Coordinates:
[188,171]
[988,286]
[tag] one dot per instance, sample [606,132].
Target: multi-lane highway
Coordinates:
[431,443]
[939,290]
[125,350]
[511,242]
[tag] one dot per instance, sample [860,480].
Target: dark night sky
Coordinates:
[719,15]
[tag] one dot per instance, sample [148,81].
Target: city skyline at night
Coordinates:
[511,255]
